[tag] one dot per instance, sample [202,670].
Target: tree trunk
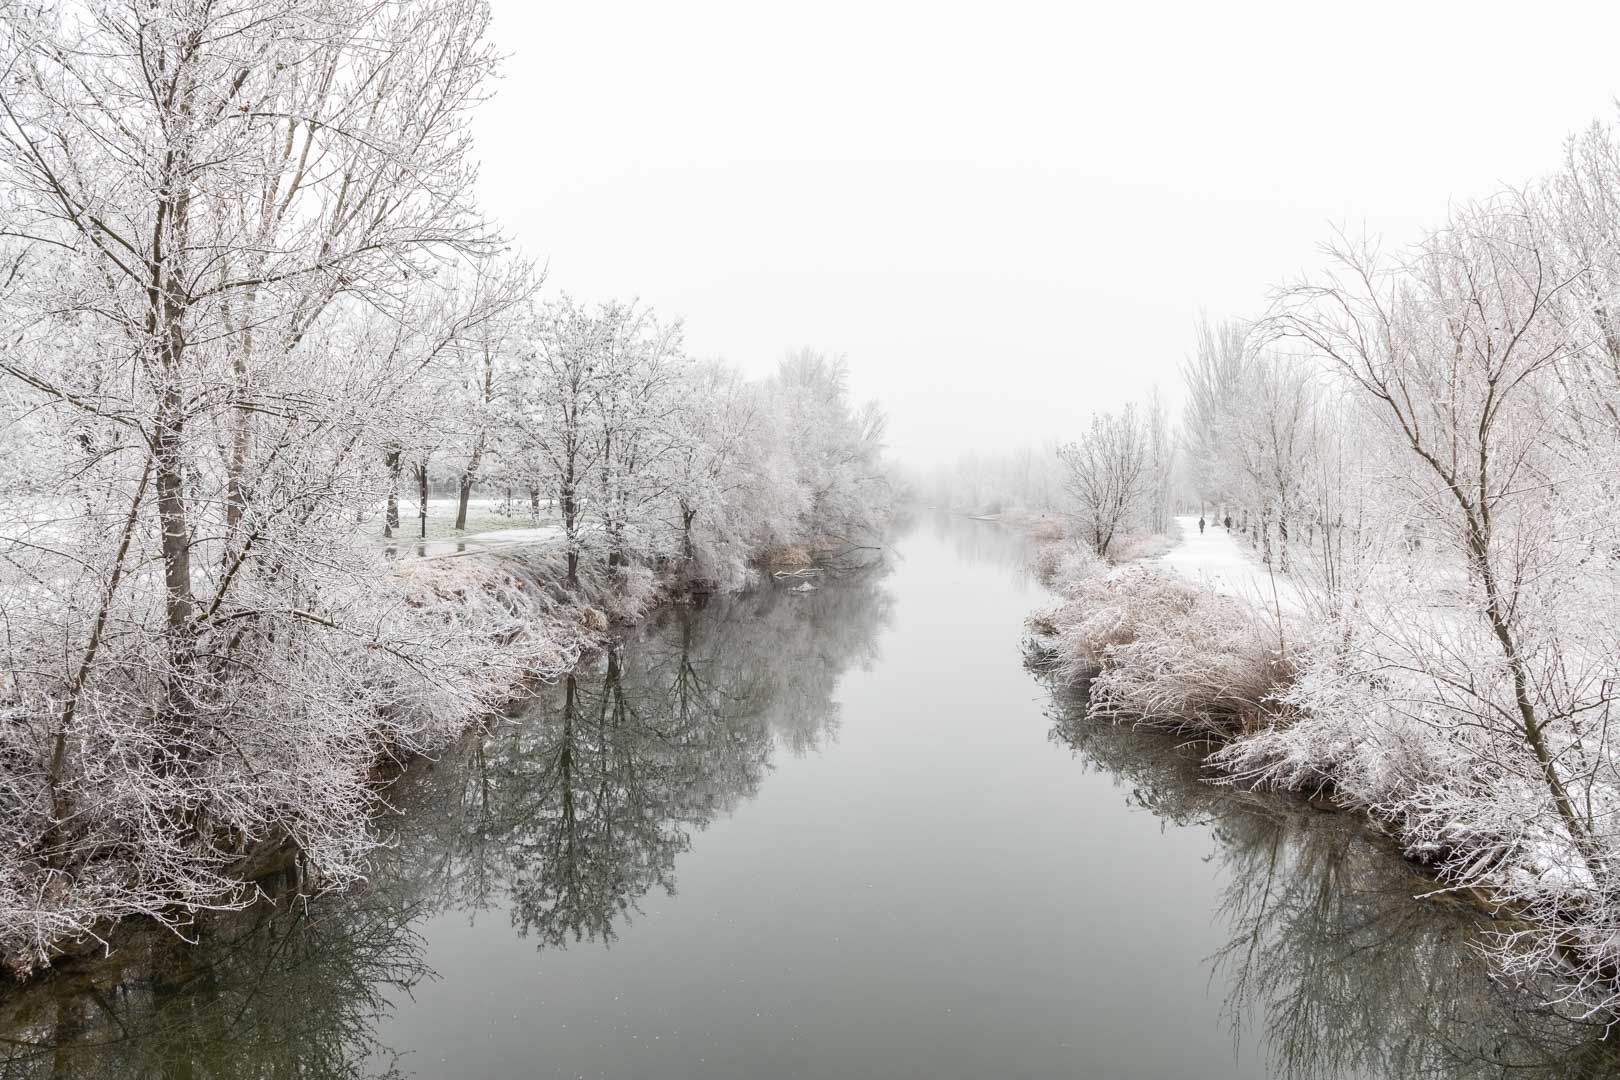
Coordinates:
[569,517]
[391,517]
[422,495]
[1531,724]
[165,326]
[235,486]
[179,607]
[467,477]
[465,496]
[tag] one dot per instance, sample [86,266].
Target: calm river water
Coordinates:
[837,834]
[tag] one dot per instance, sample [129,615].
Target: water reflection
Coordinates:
[564,817]
[565,820]
[1331,962]
[580,808]
[278,991]
[1007,547]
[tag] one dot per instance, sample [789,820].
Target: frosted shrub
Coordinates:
[1077,564]
[1164,652]
[635,592]
[1139,546]
[1062,564]
[289,750]
[1344,733]
[1047,530]
[1405,710]
[1044,563]
[502,623]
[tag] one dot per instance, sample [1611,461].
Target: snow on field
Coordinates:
[491,521]
[521,535]
[478,543]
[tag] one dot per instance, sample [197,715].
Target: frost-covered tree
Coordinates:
[472,373]
[591,421]
[1161,465]
[448,337]
[214,217]
[635,402]
[729,474]
[1268,446]
[1213,382]
[1580,205]
[1107,472]
[1462,355]
[836,449]
[1248,430]
[551,422]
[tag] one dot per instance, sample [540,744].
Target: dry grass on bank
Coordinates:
[1160,651]
[1387,710]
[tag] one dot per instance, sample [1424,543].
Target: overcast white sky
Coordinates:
[1005,216]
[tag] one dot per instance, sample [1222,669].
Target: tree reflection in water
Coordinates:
[1331,960]
[578,809]
[571,812]
[279,990]
[567,815]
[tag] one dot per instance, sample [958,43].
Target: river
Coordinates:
[840,833]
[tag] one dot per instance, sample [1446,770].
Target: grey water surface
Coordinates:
[842,833]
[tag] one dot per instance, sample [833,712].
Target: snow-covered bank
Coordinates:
[205,645]
[1207,642]
[312,773]
[1183,649]
[498,622]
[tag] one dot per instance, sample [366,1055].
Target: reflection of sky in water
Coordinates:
[834,834]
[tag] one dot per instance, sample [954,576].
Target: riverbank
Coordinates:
[501,620]
[509,621]
[1210,644]
[833,833]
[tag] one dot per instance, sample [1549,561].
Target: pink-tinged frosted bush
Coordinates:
[1044,562]
[1159,650]
[635,592]
[1063,564]
[1078,564]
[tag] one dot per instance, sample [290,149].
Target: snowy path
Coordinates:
[1215,558]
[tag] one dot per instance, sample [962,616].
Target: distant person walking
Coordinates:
[1228,522]
[1200,526]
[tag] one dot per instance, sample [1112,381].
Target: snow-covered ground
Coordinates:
[1215,558]
[480,543]
[491,525]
